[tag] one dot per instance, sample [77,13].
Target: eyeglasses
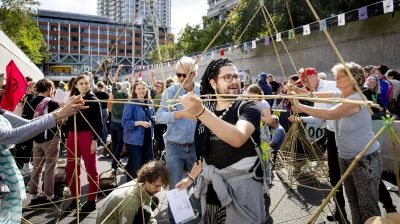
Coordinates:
[181,75]
[229,78]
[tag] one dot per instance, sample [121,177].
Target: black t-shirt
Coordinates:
[221,154]
[101,95]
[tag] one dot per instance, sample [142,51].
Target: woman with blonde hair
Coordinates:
[353,131]
[138,124]
[372,92]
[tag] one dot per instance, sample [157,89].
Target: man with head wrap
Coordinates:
[227,137]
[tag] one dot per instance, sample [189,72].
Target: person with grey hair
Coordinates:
[179,137]
[353,131]
[322,75]
[277,138]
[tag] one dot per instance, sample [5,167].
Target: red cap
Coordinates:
[307,72]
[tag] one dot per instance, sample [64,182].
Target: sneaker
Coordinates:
[71,206]
[88,207]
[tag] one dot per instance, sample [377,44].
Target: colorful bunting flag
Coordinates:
[306,29]
[291,34]
[278,37]
[253,44]
[245,47]
[362,13]
[341,19]
[387,6]
[222,52]
[322,25]
[266,41]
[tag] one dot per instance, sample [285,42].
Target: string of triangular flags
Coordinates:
[388,6]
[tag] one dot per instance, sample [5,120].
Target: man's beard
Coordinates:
[227,91]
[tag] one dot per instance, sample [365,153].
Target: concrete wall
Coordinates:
[372,41]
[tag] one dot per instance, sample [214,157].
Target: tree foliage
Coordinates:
[168,52]
[16,20]
[195,39]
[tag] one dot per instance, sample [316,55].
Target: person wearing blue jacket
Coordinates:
[138,123]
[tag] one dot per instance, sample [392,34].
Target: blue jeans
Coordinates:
[104,116]
[137,156]
[177,157]
[117,140]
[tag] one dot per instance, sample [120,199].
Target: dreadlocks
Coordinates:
[202,132]
[211,72]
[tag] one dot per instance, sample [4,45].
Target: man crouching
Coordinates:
[132,202]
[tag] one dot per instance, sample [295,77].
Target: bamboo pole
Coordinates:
[76,168]
[299,97]
[394,138]
[346,174]
[340,57]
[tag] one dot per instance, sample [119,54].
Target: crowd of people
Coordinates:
[215,135]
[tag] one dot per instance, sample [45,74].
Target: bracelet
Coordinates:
[190,177]
[204,109]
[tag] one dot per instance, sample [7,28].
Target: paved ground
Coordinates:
[287,205]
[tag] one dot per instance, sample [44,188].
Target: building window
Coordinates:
[74,29]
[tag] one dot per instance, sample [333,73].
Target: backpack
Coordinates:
[108,180]
[42,109]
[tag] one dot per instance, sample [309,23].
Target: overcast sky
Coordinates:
[183,11]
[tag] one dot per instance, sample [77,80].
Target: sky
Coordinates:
[183,11]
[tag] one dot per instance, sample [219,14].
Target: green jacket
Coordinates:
[117,108]
[122,204]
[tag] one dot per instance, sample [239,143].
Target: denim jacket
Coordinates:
[178,131]
[134,135]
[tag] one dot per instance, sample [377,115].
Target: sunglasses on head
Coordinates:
[180,75]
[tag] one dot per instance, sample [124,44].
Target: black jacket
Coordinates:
[92,115]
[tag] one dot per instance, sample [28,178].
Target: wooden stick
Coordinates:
[127,102]
[340,57]
[76,168]
[394,137]
[256,97]
[300,97]
[346,174]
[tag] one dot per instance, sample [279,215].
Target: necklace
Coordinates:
[226,110]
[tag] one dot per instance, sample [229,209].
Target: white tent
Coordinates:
[9,51]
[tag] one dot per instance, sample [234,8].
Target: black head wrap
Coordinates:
[202,132]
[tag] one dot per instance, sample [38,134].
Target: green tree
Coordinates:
[190,39]
[168,52]
[16,20]
[195,39]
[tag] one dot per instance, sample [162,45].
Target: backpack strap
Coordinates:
[257,148]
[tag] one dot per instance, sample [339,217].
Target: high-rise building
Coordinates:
[217,9]
[137,11]
[78,42]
